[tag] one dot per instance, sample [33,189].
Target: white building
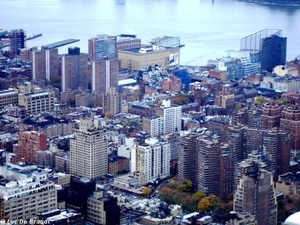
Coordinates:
[88,150]
[35,100]
[287,84]
[153,159]
[24,199]
[168,120]
[172,117]
[8,97]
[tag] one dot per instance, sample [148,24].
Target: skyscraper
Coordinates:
[74,71]
[104,75]
[273,52]
[17,40]
[290,121]
[88,150]
[256,195]
[187,158]
[271,114]
[172,116]
[153,159]
[44,63]
[103,46]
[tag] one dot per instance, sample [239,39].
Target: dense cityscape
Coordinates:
[126,134]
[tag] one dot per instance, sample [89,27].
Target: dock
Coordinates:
[33,36]
[61,43]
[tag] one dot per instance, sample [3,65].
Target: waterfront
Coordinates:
[206,27]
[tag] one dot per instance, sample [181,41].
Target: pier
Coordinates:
[61,43]
[33,36]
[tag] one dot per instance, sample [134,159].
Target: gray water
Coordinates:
[206,27]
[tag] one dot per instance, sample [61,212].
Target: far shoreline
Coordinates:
[271,3]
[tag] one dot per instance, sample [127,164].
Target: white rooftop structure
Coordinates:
[293,219]
[126,82]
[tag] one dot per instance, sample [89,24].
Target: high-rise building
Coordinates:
[172,116]
[153,159]
[44,64]
[273,145]
[256,195]
[125,42]
[105,75]
[74,71]
[174,140]
[214,166]
[208,164]
[30,142]
[103,47]
[17,40]
[273,52]
[271,114]
[103,209]
[88,150]
[290,121]
[187,158]
[226,176]
[80,190]
[249,116]
[218,124]
[235,138]
[167,121]
[112,102]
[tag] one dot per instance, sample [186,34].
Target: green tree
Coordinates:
[204,204]
[147,191]
[199,195]
[260,100]
[214,200]
[238,106]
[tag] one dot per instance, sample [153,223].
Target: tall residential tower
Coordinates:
[88,150]
[74,70]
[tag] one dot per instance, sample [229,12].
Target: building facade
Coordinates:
[35,100]
[290,120]
[44,64]
[273,52]
[8,97]
[125,42]
[256,195]
[105,75]
[271,114]
[103,47]
[26,199]
[103,209]
[112,102]
[17,40]
[30,142]
[153,159]
[139,59]
[74,71]
[88,150]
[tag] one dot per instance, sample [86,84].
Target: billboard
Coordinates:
[173,60]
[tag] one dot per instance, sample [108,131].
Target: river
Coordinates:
[206,27]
